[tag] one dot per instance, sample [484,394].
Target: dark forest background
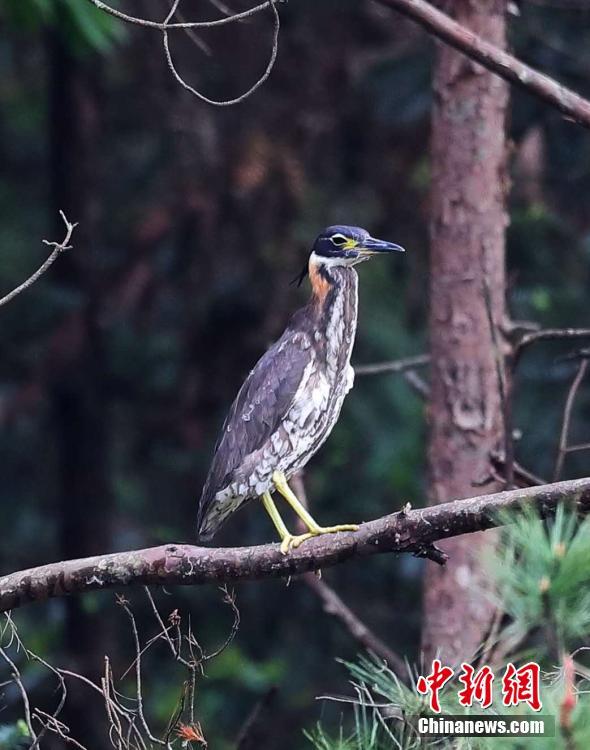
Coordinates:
[117,368]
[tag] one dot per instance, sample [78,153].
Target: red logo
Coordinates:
[522,685]
[518,685]
[433,682]
[478,686]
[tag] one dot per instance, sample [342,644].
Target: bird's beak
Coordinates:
[372,246]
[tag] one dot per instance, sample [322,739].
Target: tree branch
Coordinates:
[241,97]
[491,57]
[183,564]
[395,365]
[58,248]
[335,606]
[184,24]
[547,334]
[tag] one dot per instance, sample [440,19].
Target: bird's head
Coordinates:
[341,245]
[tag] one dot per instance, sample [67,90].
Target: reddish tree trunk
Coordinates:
[469,218]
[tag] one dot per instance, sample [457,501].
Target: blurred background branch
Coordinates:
[493,58]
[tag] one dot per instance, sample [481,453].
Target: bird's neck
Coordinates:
[334,304]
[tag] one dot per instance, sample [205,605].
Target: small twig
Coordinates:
[138,678]
[158,617]
[58,248]
[60,705]
[547,334]
[417,384]
[241,97]
[578,447]
[194,37]
[522,475]
[25,698]
[503,385]
[333,605]
[252,734]
[51,724]
[185,24]
[396,365]
[229,597]
[567,415]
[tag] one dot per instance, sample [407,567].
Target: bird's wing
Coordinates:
[262,402]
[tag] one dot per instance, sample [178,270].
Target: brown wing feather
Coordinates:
[260,406]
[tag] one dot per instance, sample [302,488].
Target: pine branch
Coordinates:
[407,531]
[491,57]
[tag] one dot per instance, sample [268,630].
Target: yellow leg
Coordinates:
[287,539]
[315,529]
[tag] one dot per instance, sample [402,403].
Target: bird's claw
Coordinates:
[292,541]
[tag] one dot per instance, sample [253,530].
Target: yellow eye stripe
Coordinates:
[343,242]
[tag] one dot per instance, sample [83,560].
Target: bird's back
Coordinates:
[256,413]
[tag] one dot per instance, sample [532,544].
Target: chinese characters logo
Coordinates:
[520,685]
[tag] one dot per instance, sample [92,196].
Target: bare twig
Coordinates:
[417,384]
[335,606]
[184,564]
[246,94]
[58,248]
[127,722]
[16,677]
[562,449]
[229,598]
[183,24]
[493,58]
[51,722]
[138,678]
[547,334]
[578,447]
[194,37]
[523,477]
[503,385]
[253,733]
[395,365]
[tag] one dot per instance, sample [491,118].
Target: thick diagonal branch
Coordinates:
[491,57]
[187,565]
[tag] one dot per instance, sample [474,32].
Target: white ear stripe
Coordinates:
[320,260]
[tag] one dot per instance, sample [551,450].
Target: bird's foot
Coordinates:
[291,541]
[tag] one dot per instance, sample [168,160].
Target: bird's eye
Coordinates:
[338,239]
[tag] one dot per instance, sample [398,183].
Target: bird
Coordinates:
[291,400]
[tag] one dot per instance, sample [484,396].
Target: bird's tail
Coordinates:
[206,526]
[213,512]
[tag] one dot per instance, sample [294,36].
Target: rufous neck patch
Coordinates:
[320,283]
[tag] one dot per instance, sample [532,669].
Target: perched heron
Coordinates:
[292,398]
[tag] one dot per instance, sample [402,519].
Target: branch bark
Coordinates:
[187,565]
[493,58]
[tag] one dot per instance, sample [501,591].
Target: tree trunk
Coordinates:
[469,185]
[76,366]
